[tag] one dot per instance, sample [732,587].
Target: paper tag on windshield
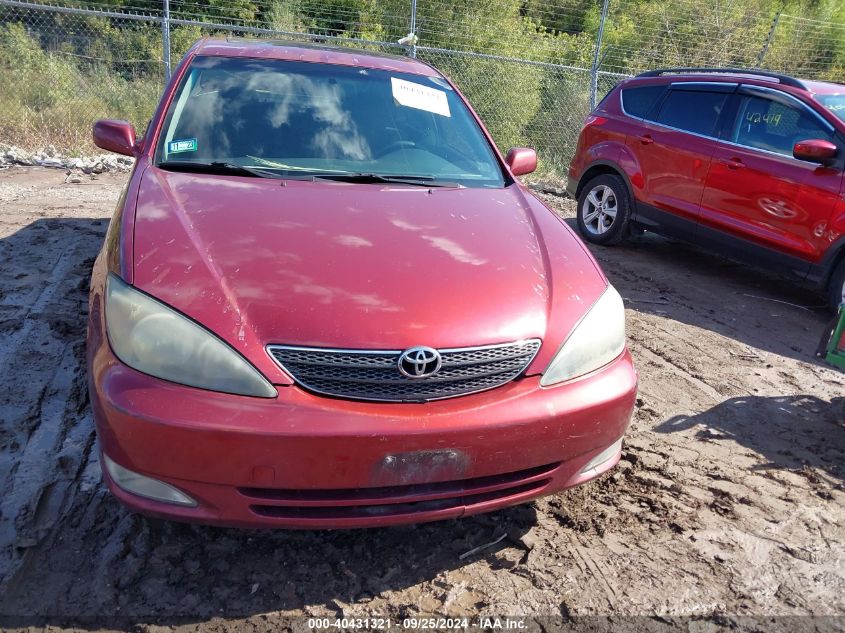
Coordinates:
[407,93]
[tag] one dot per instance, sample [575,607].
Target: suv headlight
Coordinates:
[156,340]
[595,341]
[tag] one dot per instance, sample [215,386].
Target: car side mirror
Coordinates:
[521,160]
[815,150]
[115,136]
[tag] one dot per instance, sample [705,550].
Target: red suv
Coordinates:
[744,161]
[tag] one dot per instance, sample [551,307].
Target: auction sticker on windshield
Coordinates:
[414,95]
[184,145]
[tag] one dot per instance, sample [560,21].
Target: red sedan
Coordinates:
[324,300]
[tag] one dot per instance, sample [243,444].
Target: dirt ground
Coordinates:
[729,498]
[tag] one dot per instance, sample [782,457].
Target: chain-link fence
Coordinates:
[60,70]
[531,68]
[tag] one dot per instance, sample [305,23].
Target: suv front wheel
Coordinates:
[604,210]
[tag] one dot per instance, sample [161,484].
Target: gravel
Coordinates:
[49,157]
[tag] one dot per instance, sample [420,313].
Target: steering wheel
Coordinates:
[391,147]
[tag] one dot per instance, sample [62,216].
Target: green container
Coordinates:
[835,354]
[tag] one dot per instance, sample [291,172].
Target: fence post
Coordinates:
[594,69]
[769,38]
[414,28]
[165,37]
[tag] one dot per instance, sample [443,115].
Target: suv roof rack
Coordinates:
[785,80]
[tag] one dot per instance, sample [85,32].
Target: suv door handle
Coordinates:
[733,163]
[646,139]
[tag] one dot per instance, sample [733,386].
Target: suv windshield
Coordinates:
[834,103]
[300,119]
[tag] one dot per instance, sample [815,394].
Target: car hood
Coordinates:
[329,264]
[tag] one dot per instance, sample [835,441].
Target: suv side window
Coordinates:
[639,101]
[774,126]
[694,111]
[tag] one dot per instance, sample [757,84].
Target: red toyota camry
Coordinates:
[324,300]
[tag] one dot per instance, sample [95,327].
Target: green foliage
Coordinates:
[181,39]
[284,16]
[52,98]
[239,10]
[572,17]
[344,18]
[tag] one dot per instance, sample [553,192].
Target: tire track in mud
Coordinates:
[47,431]
[67,261]
[56,438]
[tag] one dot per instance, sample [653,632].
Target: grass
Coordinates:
[53,99]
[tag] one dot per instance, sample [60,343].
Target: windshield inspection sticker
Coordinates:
[185,145]
[408,93]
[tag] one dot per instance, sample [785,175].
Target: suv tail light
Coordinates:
[593,119]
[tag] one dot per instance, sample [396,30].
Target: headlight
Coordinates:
[595,341]
[156,340]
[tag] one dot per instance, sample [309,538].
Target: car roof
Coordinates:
[317,53]
[748,76]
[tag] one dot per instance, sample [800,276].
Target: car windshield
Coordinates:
[299,119]
[834,103]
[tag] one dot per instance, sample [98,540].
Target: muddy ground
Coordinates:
[729,498]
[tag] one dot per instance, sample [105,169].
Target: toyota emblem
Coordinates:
[420,362]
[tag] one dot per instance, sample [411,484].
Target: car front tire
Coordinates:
[604,210]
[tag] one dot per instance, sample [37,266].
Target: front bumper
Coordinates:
[307,461]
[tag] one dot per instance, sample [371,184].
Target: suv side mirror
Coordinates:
[815,150]
[115,136]
[521,160]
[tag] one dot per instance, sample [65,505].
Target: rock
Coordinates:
[17,156]
[51,157]
[527,540]
[713,434]
[550,188]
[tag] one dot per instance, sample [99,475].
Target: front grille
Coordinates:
[375,375]
[357,503]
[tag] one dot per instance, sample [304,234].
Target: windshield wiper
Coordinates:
[214,167]
[223,168]
[419,181]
